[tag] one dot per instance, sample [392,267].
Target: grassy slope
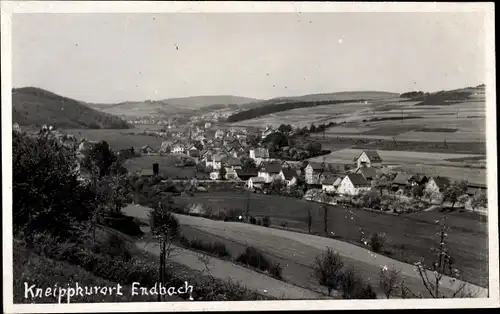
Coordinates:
[35,106]
[45,272]
[409,237]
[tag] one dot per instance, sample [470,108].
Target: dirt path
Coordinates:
[226,270]
[302,248]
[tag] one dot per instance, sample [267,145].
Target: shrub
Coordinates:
[115,246]
[255,258]
[266,221]
[276,270]
[328,269]
[353,287]
[233,214]
[252,220]
[377,242]
[284,224]
[125,224]
[215,248]
[259,221]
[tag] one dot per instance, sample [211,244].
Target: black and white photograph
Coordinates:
[159,155]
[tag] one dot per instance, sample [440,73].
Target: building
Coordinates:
[192,151]
[328,184]
[214,175]
[288,176]
[368,172]
[208,125]
[256,183]
[214,161]
[268,131]
[269,171]
[313,172]
[474,188]
[245,174]
[259,154]
[353,184]
[231,163]
[401,181]
[369,158]
[219,134]
[435,187]
[178,149]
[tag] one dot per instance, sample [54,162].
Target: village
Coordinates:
[242,156]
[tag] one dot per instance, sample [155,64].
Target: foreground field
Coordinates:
[300,249]
[410,238]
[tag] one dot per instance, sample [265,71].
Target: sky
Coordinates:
[107,58]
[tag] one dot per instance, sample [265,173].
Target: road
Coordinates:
[302,248]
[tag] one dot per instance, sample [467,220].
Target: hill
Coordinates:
[170,106]
[280,104]
[33,106]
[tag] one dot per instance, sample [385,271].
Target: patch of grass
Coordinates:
[390,130]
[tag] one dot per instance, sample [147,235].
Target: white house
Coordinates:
[269,171]
[214,161]
[288,176]
[435,187]
[353,184]
[259,154]
[328,184]
[313,172]
[255,182]
[178,149]
[369,158]
[208,125]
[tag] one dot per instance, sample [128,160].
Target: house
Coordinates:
[435,187]
[401,181]
[369,158]
[245,174]
[231,163]
[256,183]
[418,179]
[192,151]
[288,176]
[353,184]
[269,130]
[313,172]
[259,154]
[219,134]
[208,125]
[178,149]
[269,170]
[214,161]
[165,147]
[368,172]
[475,188]
[328,184]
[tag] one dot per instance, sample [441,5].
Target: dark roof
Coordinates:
[247,172]
[471,190]
[231,161]
[418,178]
[289,174]
[442,182]
[261,152]
[476,185]
[270,167]
[401,178]
[330,179]
[358,179]
[368,172]
[372,155]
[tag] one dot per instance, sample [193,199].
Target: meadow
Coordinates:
[409,238]
[118,139]
[166,164]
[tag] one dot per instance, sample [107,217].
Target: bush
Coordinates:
[353,287]
[233,215]
[115,246]
[276,270]
[125,224]
[259,222]
[254,258]
[252,220]
[377,242]
[215,248]
[328,269]
[266,222]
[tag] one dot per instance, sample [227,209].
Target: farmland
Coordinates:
[166,165]
[118,139]
[467,239]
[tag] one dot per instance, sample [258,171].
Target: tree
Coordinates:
[309,218]
[454,191]
[48,196]
[381,183]
[101,157]
[313,147]
[417,191]
[285,128]
[275,141]
[312,129]
[389,280]
[198,145]
[222,173]
[165,228]
[247,163]
[328,269]
[480,199]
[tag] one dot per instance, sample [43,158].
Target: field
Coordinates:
[454,173]
[410,238]
[166,166]
[118,139]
